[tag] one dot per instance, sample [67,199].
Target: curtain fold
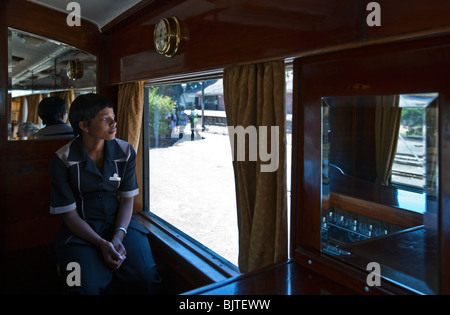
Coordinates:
[32,105]
[68,96]
[255,97]
[129,112]
[130,108]
[387,128]
[22,110]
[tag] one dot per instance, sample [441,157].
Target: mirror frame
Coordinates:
[88,82]
[416,65]
[360,213]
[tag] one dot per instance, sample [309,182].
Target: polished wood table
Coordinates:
[289,278]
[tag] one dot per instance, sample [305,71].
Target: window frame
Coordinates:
[404,186]
[210,264]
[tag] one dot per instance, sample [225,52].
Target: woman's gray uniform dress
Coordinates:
[76,182]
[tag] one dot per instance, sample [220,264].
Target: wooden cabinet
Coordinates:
[414,66]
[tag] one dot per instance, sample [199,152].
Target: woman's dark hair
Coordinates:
[85,107]
[51,109]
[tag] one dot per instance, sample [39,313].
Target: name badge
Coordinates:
[115,178]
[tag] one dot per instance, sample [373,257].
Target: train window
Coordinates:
[191,177]
[39,67]
[371,211]
[191,173]
[409,164]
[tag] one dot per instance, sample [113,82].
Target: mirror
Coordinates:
[380,185]
[37,68]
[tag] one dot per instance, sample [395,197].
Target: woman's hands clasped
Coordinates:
[113,252]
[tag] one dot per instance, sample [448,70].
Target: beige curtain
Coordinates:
[387,128]
[32,104]
[129,112]
[255,96]
[68,96]
[130,108]
[22,110]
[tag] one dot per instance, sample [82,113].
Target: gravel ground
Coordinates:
[192,187]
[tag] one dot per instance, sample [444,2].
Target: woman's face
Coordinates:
[103,126]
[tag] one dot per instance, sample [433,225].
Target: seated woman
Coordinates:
[93,182]
[53,112]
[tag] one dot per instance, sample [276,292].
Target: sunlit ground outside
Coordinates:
[192,187]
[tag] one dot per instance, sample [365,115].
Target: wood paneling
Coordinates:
[221,33]
[405,16]
[404,67]
[3,112]
[375,210]
[31,271]
[39,20]
[26,220]
[24,191]
[284,279]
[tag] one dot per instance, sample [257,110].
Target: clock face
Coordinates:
[167,36]
[161,36]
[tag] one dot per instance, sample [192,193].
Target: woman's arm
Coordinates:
[123,218]
[124,213]
[80,228]
[126,192]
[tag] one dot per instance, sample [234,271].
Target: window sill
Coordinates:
[202,264]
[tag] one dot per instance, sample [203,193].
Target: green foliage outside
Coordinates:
[413,120]
[160,106]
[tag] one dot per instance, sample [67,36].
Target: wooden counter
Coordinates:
[288,278]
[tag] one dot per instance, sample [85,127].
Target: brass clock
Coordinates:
[167,36]
[74,69]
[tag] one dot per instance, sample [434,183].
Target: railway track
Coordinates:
[409,166]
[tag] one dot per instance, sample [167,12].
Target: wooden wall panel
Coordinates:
[219,34]
[27,181]
[3,111]
[33,18]
[404,67]
[222,33]
[406,16]
[25,217]
[37,231]
[24,191]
